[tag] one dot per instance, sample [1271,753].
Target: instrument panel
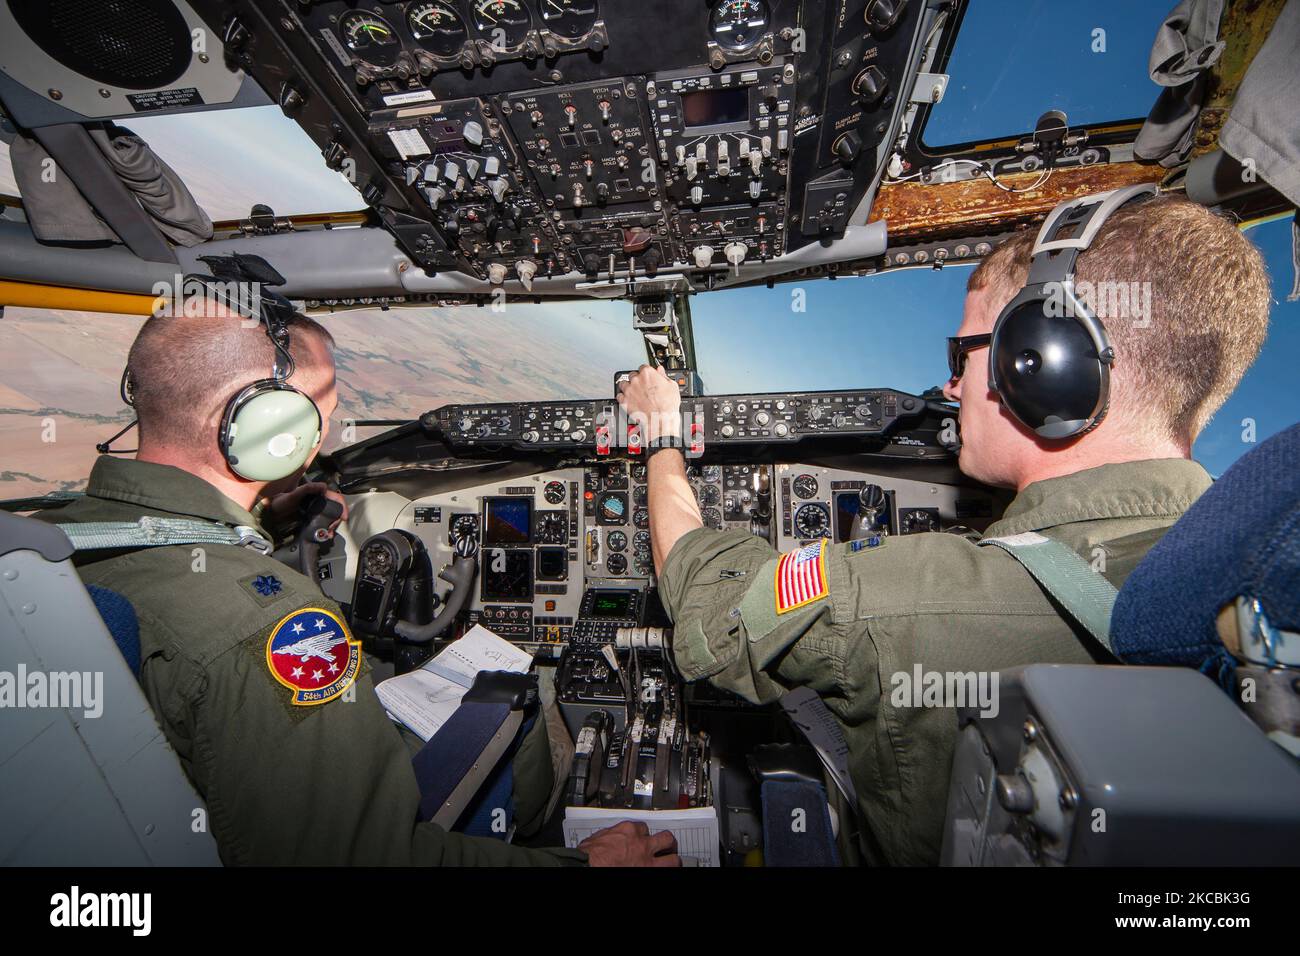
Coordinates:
[519,141]
[597,425]
[561,551]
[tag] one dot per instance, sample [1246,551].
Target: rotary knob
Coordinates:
[579,435]
[727,431]
[762,419]
[781,429]
[562,424]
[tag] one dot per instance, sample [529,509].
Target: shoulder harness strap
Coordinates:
[154,532]
[1085,593]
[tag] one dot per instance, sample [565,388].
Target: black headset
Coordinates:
[1049,357]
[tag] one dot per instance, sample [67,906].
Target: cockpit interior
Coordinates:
[647,156]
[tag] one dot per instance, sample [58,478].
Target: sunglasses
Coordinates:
[959,345]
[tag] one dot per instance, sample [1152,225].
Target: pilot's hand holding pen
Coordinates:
[631,843]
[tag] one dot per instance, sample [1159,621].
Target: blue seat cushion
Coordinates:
[1242,537]
[119,617]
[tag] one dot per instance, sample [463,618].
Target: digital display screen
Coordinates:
[611,604]
[715,107]
[507,574]
[508,520]
[552,564]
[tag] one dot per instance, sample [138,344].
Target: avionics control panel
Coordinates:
[567,554]
[521,140]
[596,425]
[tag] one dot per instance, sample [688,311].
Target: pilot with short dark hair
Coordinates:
[845,619]
[251,671]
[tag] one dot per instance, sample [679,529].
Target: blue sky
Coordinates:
[889,331]
[1087,59]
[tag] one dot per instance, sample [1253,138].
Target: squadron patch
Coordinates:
[311,652]
[801,577]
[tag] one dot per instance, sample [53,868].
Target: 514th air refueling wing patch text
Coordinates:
[311,652]
[801,577]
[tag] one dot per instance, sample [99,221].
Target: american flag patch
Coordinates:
[801,577]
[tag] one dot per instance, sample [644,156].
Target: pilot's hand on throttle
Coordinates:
[631,844]
[283,508]
[651,399]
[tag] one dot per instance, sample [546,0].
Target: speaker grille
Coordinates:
[134,44]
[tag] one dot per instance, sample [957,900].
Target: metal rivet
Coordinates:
[29,608]
[11,575]
[56,94]
[148,830]
[105,93]
[203,58]
[1031,730]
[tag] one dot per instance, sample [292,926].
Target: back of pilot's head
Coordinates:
[1184,297]
[185,369]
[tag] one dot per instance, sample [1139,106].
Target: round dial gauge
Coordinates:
[612,508]
[571,19]
[641,518]
[710,495]
[437,27]
[553,528]
[370,37]
[738,24]
[554,492]
[639,472]
[616,564]
[812,521]
[711,517]
[464,535]
[711,472]
[503,23]
[641,542]
[617,541]
[913,522]
[805,486]
[639,495]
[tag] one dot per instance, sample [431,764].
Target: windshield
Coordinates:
[232,159]
[60,373]
[890,331]
[1087,59]
[60,370]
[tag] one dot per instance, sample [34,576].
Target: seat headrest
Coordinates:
[1242,537]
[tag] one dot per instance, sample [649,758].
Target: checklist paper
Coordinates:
[696,829]
[425,699]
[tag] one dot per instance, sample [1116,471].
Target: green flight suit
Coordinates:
[284,783]
[936,599]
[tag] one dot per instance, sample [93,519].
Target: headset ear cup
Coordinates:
[1046,369]
[269,431]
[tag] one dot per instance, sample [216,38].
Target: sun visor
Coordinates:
[58,212]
